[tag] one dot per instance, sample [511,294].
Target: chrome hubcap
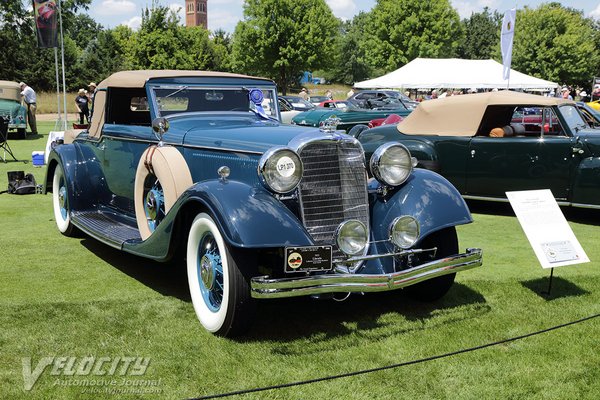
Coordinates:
[207,272]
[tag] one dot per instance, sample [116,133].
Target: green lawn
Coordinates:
[65,297]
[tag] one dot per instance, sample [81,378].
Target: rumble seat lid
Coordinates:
[462,115]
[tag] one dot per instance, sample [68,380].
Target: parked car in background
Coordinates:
[373,98]
[286,110]
[352,115]
[489,143]
[11,107]
[316,100]
[591,115]
[257,209]
[299,103]
[334,104]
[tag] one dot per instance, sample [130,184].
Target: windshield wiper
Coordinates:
[175,92]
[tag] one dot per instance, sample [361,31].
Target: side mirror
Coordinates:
[160,126]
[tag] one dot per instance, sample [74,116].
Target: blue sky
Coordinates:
[225,14]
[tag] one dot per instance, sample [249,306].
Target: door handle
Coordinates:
[472,153]
[577,150]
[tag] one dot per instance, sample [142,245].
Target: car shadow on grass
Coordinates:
[373,316]
[560,288]
[169,279]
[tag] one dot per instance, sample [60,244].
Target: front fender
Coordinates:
[426,196]
[249,216]
[586,185]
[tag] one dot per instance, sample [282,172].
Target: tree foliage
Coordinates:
[556,43]
[350,64]
[482,35]
[399,31]
[282,38]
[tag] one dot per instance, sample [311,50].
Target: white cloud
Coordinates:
[115,7]
[134,23]
[344,9]
[178,8]
[224,19]
[466,7]
[595,13]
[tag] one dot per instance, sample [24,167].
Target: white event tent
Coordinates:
[435,73]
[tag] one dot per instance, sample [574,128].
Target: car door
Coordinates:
[538,156]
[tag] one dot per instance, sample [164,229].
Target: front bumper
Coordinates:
[263,287]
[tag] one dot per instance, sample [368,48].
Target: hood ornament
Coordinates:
[330,124]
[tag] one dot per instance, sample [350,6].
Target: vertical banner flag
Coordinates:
[45,13]
[506,40]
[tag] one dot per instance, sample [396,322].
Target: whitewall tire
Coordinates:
[220,293]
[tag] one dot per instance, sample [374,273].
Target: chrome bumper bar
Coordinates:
[263,287]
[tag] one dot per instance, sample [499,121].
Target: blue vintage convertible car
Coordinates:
[188,162]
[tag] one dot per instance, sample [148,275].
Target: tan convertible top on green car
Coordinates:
[462,115]
[10,90]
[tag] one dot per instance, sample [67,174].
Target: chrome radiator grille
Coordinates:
[333,188]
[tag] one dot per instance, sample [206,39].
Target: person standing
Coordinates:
[30,99]
[329,94]
[81,101]
[304,94]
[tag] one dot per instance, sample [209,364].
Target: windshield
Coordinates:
[573,118]
[170,100]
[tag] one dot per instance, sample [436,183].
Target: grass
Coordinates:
[76,297]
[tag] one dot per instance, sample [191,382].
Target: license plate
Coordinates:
[310,258]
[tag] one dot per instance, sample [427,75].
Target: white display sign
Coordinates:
[546,228]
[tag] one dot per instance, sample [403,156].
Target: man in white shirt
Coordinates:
[30,99]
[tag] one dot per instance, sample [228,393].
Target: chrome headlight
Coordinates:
[280,169]
[391,164]
[352,237]
[404,231]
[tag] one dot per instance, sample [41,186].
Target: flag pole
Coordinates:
[62,51]
[58,122]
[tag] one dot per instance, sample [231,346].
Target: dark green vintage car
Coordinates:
[490,143]
[11,108]
[352,115]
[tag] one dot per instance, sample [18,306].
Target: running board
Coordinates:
[104,227]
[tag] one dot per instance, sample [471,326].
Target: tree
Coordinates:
[282,38]
[222,46]
[350,64]
[162,43]
[482,35]
[400,30]
[556,43]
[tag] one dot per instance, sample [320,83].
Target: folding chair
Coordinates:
[4,139]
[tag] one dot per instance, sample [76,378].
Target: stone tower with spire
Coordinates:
[196,13]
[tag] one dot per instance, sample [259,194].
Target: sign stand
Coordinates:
[547,293]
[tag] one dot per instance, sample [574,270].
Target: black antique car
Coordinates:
[190,163]
[489,143]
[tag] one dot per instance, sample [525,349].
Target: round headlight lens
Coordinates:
[352,237]
[405,231]
[391,164]
[280,170]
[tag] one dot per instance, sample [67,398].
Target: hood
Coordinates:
[313,117]
[243,132]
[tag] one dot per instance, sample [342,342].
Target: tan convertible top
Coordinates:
[462,115]
[137,79]
[10,90]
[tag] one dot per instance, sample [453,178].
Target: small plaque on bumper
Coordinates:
[311,258]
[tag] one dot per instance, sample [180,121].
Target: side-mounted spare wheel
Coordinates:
[220,293]
[162,175]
